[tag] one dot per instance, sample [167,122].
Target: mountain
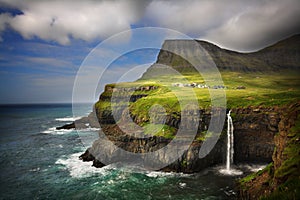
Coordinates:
[282,56]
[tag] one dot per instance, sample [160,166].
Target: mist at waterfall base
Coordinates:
[39,162]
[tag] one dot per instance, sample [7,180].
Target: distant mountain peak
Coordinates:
[283,55]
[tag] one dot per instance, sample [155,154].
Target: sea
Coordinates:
[39,162]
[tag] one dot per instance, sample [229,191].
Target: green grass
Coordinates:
[261,90]
[291,166]
[203,136]
[287,191]
[252,176]
[159,130]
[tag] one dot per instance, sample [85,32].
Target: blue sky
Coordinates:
[44,43]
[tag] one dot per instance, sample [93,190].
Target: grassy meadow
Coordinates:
[265,90]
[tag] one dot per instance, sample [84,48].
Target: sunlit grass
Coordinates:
[260,90]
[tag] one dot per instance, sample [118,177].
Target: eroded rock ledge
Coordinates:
[254,131]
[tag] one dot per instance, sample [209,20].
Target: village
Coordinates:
[196,85]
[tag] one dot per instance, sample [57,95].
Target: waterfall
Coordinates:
[230,149]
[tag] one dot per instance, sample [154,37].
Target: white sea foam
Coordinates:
[182,185]
[67,119]
[234,171]
[35,169]
[80,169]
[89,129]
[53,130]
[254,167]
[231,172]
[155,174]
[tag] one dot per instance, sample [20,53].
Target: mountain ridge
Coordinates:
[278,57]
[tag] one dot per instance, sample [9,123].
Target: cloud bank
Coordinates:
[62,20]
[235,24]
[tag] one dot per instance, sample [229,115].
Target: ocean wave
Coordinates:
[67,119]
[53,130]
[89,129]
[79,169]
[155,174]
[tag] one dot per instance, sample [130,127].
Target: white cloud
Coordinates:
[259,25]
[190,16]
[235,24]
[60,20]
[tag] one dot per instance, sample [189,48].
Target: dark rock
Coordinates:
[87,156]
[85,122]
[260,186]
[67,126]
[98,164]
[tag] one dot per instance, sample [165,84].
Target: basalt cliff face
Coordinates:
[254,130]
[280,180]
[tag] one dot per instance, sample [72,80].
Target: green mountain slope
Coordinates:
[281,56]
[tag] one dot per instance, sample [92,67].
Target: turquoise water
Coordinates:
[38,162]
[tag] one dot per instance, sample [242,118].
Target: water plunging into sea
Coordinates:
[230,149]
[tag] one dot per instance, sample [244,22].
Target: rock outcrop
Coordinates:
[281,179]
[82,123]
[254,130]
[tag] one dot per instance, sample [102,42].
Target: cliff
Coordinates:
[255,109]
[281,179]
[255,128]
[258,88]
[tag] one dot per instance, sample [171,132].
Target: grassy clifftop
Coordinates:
[241,89]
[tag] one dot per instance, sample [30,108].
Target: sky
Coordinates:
[44,44]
